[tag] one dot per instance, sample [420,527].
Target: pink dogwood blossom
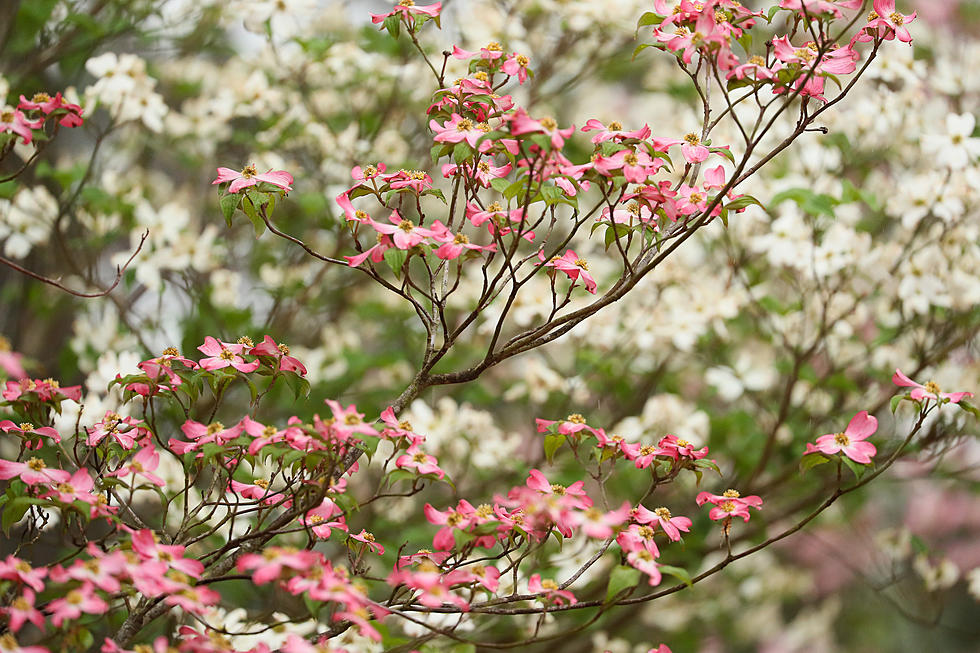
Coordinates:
[249,176]
[851,442]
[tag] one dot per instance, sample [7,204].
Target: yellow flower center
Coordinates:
[494,207]
[249,171]
[728,506]
[268,431]
[575,418]
[493,46]
[41,97]
[557,489]
[406,3]
[692,138]
[663,513]
[406,225]
[731,494]
[461,239]
[522,60]
[549,123]
[7,116]
[483,167]
[35,464]
[464,125]
[27,427]
[897,18]
[216,427]
[226,355]
[262,483]
[757,60]
[351,419]
[245,340]
[481,76]
[842,439]
[419,457]
[933,387]
[283,348]
[582,264]
[549,584]
[4,344]
[631,159]
[615,126]
[645,532]
[74,597]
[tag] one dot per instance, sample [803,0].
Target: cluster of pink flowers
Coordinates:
[709,29]
[41,106]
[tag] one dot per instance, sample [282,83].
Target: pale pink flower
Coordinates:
[729,504]
[224,354]
[22,609]
[672,526]
[13,120]
[74,603]
[646,562]
[549,591]
[21,571]
[280,352]
[851,440]
[930,390]
[32,472]
[423,463]
[573,266]
[249,176]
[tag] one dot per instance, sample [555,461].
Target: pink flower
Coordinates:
[13,120]
[636,537]
[646,562]
[891,21]
[45,390]
[119,428]
[601,525]
[25,430]
[490,52]
[407,11]
[368,539]
[249,176]
[572,424]
[402,232]
[672,526]
[459,129]
[143,463]
[691,147]
[224,354]
[521,123]
[22,609]
[928,391]
[269,564]
[573,496]
[517,64]
[74,603]
[614,131]
[729,504]
[32,472]
[318,519]
[851,441]
[573,266]
[550,591]
[417,180]
[421,462]
[47,104]
[280,352]
[15,569]
[146,546]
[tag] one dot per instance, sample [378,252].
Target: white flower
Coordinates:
[956,148]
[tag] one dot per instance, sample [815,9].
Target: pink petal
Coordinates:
[860,452]
[862,425]
[900,379]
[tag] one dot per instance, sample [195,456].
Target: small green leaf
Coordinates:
[622,579]
[395,258]
[677,572]
[552,442]
[812,460]
[499,184]
[249,208]
[393,24]
[228,205]
[743,201]
[856,468]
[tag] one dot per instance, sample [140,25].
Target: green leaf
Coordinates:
[622,579]
[393,24]
[896,400]
[435,192]
[395,258]
[249,208]
[968,407]
[649,18]
[552,442]
[856,468]
[462,152]
[228,205]
[500,184]
[724,151]
[15,510]
[742,202]
[812,460]
[615,232]
[810,202]
[677,572]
